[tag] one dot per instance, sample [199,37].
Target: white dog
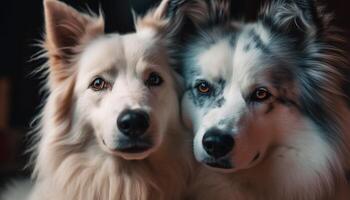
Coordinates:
[110,127]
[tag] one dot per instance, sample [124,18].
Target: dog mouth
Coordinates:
[132,146]
[218,163]
[225,164]
[256,159]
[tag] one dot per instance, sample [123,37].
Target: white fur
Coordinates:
[76,156]
[95,171]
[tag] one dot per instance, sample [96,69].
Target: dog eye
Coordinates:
[203,87]
[98,84]
[154,79]
[260,94]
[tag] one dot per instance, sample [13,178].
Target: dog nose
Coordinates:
[217,143]
[133,123]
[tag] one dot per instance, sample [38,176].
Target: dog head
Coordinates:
[119,88]
[251,87]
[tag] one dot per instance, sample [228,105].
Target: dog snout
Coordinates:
[217,143]
[133,123]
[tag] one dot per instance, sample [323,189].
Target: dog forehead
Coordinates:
[104,52]
[252,55]
[140,46]
[216,61]
[234,55]
[116,51]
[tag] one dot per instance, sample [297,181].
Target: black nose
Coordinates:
[133,123]
[217,143]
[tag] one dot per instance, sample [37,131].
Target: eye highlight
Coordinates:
[260,94]
[203,87]
[154,79]
[99,84]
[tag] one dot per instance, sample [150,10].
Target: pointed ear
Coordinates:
[165,19]
[299,18]
[67,31]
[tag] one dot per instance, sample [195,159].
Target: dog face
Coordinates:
[252,87]
[235,106]
[121,85]
[125,92]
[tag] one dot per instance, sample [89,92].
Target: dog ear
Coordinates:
[161,19]
[299,18]
[206,13]
[67,31]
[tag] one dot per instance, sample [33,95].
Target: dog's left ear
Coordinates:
[299,18]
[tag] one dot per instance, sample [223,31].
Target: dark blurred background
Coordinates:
[21,27]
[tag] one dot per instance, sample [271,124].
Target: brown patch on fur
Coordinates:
[64,103]
[270,108]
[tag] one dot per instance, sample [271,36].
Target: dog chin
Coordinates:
[135,156]
[131,156]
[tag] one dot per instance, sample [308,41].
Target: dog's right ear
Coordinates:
[171,15]
[67,31]
[302,20]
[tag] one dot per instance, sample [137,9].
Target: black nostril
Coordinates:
[133,123]
[217,143]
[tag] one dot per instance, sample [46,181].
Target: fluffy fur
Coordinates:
[75,157]
[293,144]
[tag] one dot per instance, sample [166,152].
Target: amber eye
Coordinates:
[154,79]
[260,94]
[203,87]
[98,84]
